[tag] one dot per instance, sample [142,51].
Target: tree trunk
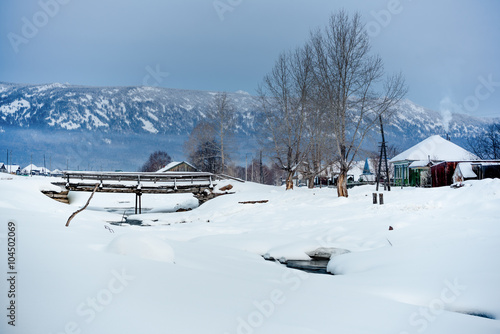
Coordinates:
[342,184]
[310,182]
[222,151]
[289,181]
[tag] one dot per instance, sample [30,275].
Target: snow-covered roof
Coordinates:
[419,163]
[356,170]
[29,168]
[465,168]
[437,149]
[32,168]
[172,165]
[12,168]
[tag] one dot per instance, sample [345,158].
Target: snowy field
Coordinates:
[202,271]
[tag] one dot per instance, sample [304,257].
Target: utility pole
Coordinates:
[261,172]
[246,167]
[251,176]
[383,155]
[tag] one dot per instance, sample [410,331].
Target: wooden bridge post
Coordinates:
[138,202]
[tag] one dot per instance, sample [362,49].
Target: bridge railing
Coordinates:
[140,182]
[194,177]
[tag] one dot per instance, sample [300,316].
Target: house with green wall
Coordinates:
[414,166]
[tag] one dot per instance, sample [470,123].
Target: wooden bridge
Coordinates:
[200,184]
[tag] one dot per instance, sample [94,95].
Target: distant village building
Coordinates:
[56,173]
[360,172]
[32,169]
[11,169]
[430,163]
[178,166]
[368,175]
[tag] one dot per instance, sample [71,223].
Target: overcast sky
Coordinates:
[448,50]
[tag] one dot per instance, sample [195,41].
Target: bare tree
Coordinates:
[347,76]
[206,157]
[316,162]
[156,161]
[203,149]
[486,145]
[320,154]
[285,103]
[221,116]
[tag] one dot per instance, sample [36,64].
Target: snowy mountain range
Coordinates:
[112,109]
[117,127]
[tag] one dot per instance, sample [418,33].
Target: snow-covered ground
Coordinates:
[202,271]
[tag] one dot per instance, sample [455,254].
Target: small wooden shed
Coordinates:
[476,170]
[178,166]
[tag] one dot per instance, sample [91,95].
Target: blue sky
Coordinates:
[449,51]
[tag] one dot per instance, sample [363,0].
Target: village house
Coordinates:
[56,173]
[32,169]
[11,169]
[360,172]
[430,163]
[178,166]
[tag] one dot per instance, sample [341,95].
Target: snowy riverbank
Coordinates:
[202,271]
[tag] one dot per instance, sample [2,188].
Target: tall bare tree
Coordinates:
[487,144]
[285,103]
[320,155]
[347,76]
[221,117]
[203,149]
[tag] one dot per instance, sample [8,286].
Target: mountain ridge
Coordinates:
[132,121]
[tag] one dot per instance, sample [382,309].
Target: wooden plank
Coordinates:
[254,202]
[58,196]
